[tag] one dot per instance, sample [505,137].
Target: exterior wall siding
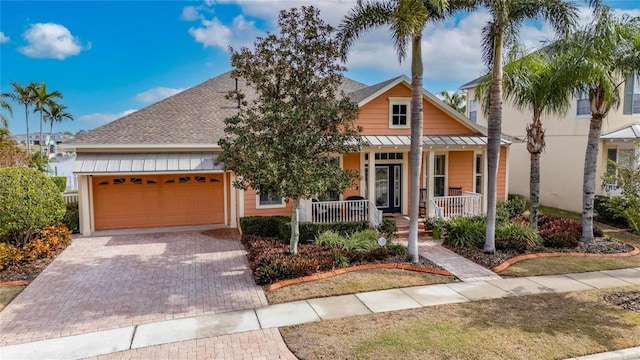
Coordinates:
[502,175]
[351,161]
[461,170]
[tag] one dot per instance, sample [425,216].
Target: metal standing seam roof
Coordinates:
[96,163]
[429,140]
[630,132]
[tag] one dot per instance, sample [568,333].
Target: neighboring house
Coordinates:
[562,163]
[156,167]
[61,164]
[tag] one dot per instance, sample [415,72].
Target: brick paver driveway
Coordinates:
[102,283]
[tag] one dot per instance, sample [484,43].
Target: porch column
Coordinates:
[485,171]
[224,197]
[233,191]
[83,205]
[371,183]
[430,175]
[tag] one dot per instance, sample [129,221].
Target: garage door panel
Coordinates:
[155,201]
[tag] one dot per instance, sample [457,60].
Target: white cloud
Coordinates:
[99,119]
[50,40]
[190,13]
[213,33]
[157,94]
[4,38]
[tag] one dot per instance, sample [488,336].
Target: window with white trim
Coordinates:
[399,112]
[636,94]
[266,200]
[473,110]
[439,175]
[583,108]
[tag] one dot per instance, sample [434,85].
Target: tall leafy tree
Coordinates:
[537,83]
[22,95]
[507,16]
[5,106]
[406,20]
[456,100]
[56,113]
[600,56]
[284,143]
[43,100]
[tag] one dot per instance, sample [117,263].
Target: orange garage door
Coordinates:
[135,201]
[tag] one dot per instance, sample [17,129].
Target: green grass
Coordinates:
[8,293]
[550,326]
[550,211]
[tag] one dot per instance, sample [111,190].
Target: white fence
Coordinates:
[612,190]
[350,210]
[69,198]
[466,205]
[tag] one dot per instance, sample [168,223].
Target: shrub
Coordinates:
[61,182]
[57,236]
[503,212]
[9,255]
[309,231]
[363,240]
[431,223]
[72,217]
[331,238]
[611,209]
[283,267]
[559,232]
[28,200]
[388,228]
[465,232]
[265,226]
[516,204]
[36,249]
[517,237]
[397,250]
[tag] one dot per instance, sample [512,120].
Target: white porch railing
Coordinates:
[350,210]
[69,198]
[466,205]
[612,190]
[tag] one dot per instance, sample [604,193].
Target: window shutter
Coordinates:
[628,95]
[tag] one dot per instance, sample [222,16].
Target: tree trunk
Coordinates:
[50,134]
[535,146]
[416,144]
[295,228]
[41,131]
[589,181]
[26,116]
[534,190]
[494,133]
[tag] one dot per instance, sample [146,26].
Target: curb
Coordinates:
[516,259]
[336,272]
[14,283]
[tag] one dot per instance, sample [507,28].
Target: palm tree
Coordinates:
[56,113]
[456,100]
[507,17]
[24,96]
[537,83]
[406,19]
[43,99]
[3,119]
[600,56]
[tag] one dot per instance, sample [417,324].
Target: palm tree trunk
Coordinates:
[50,134]
[589,181]
[295,228]
[416,143]
[41,121]
[494,133]
[534,189]
[26,116]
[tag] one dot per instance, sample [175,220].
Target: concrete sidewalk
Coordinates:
[298,312]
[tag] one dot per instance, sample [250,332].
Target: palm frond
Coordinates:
[362,17]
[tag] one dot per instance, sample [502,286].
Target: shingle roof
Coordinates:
[193,116]
[365,92]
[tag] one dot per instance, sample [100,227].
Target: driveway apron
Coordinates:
[101,283]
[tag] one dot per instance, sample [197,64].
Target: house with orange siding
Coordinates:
[156,167]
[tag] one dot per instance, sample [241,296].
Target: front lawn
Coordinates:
[550,326]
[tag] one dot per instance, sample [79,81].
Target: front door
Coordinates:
[388,188]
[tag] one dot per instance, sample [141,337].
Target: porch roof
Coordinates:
[429,140]
[628,132]
[102,163]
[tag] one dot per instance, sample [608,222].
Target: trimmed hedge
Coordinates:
[61,182]
[263,226]
[310,231]
[72,217]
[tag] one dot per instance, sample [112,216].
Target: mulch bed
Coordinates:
[598,246]
[629,300]
[28,271]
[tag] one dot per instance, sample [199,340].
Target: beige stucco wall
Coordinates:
[562,163]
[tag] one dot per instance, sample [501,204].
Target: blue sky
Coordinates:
[109,58]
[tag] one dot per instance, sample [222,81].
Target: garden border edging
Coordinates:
[516,259]
[336,272]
